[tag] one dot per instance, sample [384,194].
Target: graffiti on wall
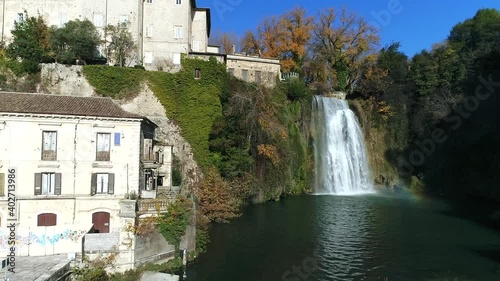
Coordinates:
[42,239]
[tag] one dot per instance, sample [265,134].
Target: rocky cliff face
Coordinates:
[60,79]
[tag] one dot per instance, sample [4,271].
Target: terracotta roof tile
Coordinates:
[62,105]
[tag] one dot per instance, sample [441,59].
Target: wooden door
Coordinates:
[101,222]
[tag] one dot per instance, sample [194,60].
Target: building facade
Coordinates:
[254,69]
[162,29]
[79,161]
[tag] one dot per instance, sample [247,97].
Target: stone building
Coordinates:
[81,164]
[254,69]
[162,29]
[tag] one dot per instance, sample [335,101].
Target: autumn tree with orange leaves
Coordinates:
[297,29]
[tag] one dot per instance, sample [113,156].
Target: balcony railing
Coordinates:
[49,155]
[153,205]
[102,156]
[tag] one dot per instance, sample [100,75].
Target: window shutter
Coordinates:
[93,184]
[111,184]
[2,184]
[38,183]
[57,189]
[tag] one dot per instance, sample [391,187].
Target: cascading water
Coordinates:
[341,162]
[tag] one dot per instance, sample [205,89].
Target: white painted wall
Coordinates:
[21,143]
[152,24]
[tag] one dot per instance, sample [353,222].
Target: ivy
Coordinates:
[174,222]
[193,104]
[114,82]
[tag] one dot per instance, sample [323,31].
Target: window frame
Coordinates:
[258,76]
[44,157]
[178,2]
[149,31]
[98,157]
[149,1]
[55,184]
[197,73]
[244,75]
[102,178]
[94,184]
[178,32]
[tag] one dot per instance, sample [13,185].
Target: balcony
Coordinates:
[153,205]
[152,160]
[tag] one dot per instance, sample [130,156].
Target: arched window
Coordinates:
[47,219]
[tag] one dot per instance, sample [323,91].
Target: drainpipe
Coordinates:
[141,32]
[3,20]
[74,170]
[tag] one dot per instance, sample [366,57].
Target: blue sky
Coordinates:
[417,24]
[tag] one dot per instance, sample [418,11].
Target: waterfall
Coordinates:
[341,162]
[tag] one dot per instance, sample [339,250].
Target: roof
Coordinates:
[62,105]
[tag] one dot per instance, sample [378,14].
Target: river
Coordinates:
[368,237]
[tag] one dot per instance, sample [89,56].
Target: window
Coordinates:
[231,71]
[148,57]
[103,146]
[19,17]
[49,145]
[47,219]
[178,32]
[2,184]
[149,1]
[63,19]
[47,184]
[149,180]
[196,46]
[178,2]
[123,19]
[149,31]
[197,73]
[176,58]
[257,76]
[271,77]
[102,183]
[98,21]
[244,74]
[148,150]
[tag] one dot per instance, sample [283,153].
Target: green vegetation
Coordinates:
[115,82]
[95,271]
[174,222]
[121,45]
[430,119]
[76,40]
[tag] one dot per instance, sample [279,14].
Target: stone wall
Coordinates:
[66,80]
[168,132]
[254,69]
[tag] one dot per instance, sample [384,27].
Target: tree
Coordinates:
[479,34]
[121,46]
[250,44]
[30,42]
[271,34]
[344,43]
[76,40]
[296,36]
[225,41]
